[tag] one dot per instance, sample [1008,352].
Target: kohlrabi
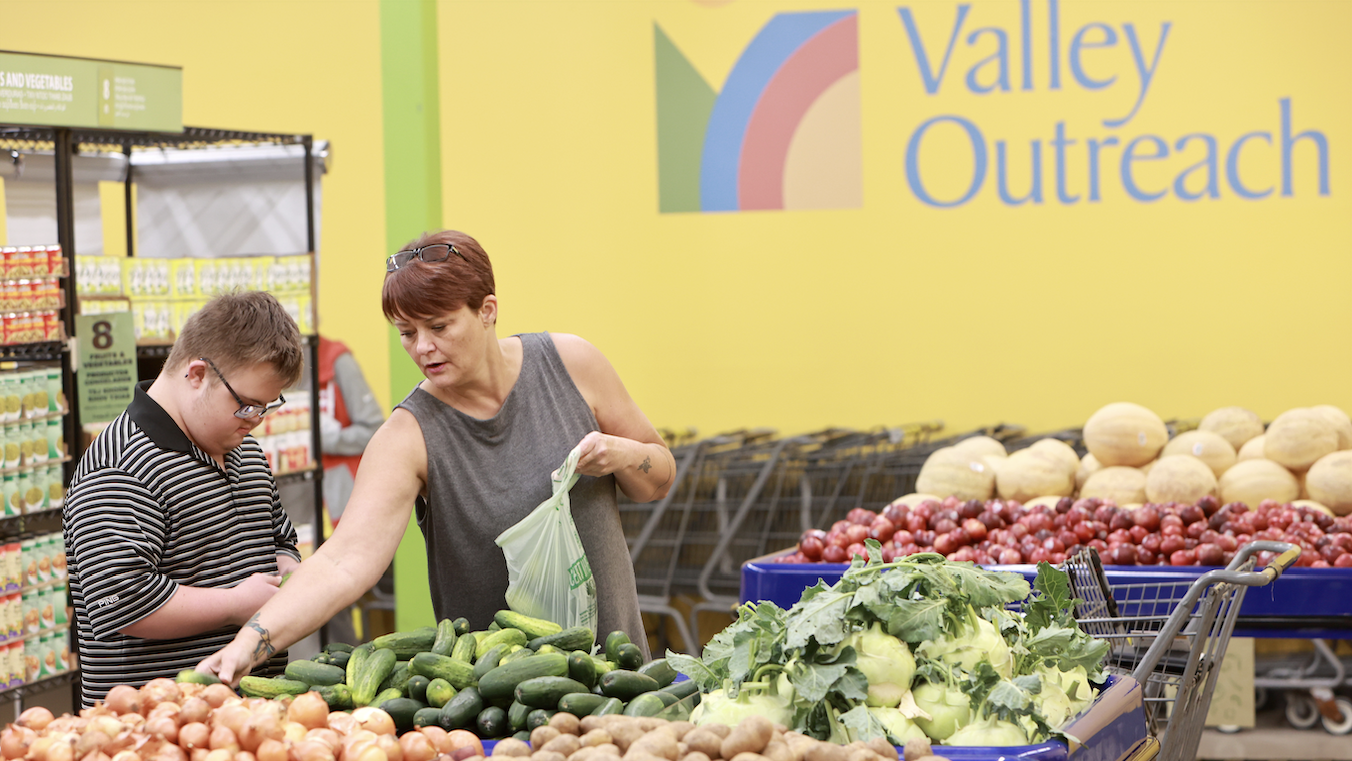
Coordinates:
[899,728]
[979,642]
[949,708]
[990,731]
[771,698]
[886,661]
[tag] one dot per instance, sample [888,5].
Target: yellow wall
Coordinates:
[299,67]
[889,313]
[899,311]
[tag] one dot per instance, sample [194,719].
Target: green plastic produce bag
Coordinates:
[547,571]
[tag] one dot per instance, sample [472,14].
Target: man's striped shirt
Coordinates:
[147,511]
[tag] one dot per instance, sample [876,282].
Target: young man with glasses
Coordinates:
[174,532]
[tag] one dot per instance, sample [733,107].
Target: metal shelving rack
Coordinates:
[64,144]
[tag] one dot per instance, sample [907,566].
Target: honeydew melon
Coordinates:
[1124,433]
[1210,448]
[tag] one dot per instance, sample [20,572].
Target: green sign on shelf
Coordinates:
[82,92]
[107,371]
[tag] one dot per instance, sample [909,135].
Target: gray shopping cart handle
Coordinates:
[1287,555]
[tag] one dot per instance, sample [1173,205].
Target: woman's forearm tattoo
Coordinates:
[264,650]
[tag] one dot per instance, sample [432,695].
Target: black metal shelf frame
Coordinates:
[64,143]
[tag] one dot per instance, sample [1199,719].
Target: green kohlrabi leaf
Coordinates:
[862,725]
[918,620]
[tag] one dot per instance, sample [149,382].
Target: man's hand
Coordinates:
[252,593]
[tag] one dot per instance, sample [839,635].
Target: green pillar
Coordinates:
[412,122]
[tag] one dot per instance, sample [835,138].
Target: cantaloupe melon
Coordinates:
[950,472]
[1252,449]
[1123,433]
[981,445]
[1059,451]
[1234,424]
[1298,437]
[1252,481]
[1206,446]
[1179,478]
[1146,467]
[1028,473]
[1341,423]
[915,498]
[1089,465]
[994,462]
[1329,482]
[1123,485]
[1048,502]
[1313,506]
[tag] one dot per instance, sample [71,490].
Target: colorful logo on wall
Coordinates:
[784,133]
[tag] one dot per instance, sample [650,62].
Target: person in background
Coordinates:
[174,533]
[474,445]
[348,417]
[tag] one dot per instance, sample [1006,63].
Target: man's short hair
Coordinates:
[241,329]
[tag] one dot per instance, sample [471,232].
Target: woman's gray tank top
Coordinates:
[484,476]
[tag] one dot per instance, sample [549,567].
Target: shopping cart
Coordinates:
[1171,636]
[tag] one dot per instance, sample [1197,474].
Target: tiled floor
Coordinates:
[1272,739]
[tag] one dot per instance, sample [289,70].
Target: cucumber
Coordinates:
[682,689]
[613,642]
[516,655]
[659,670]
[516,715]
[262,687]
[374,670]
[427,717]
[398,678]
[492,723]
[407,644]
[386,695]
[445,639]
[355,663]
[192,676]
[323,658]
[629,656]
[538,718]
[572,638]
[314,673]
[523,736]
[416,688]
[626,685]
[340,658]
[432,666]
[462,709]
[488,661]
[501,682]
[338,696]
[465,645]
[546,691]
[439,692]
[581,704]
[499,637]
[611,706]
[533,627]
[337,647]
[402,710]
[647,704]
[461,626]
[582,668]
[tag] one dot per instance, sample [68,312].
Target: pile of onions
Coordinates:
[168,721]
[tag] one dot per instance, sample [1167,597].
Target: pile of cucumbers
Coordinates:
[503,681]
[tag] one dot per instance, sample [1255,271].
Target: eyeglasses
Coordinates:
[437,252]
[246,411]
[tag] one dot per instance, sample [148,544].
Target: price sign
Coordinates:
[107,374]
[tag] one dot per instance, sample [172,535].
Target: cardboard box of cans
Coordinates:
[163,293]
[34,616]
[31,296]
